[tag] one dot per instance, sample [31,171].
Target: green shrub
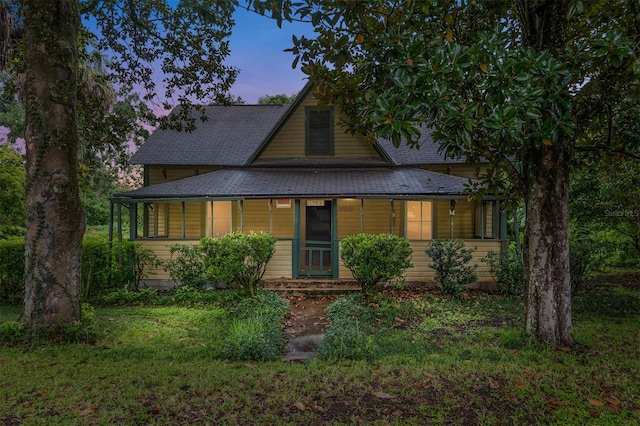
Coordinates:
[347,307]
[347,340]
[11,271]
[450,260]
[124,297]
[256,332]
[15,333]
[143,259]
[376,258]
[238,258]
[103,269]
[348,337]
[106,269]
[507,270]
[252,339]
[11,332]
[266,303]
[586,256]
[186,265]
[185,295]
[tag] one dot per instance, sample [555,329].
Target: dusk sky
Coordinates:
[257,46]
[257,49]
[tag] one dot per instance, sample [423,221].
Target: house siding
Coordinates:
[289,142]
[463,220]
[375,218]
[162,174]
[422,272]
[471,171]
[257,218]
[193,220]
[280,264]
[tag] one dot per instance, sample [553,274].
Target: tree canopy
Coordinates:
[521,84]
[54,62]
[281,99]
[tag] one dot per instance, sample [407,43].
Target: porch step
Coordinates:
[309,286]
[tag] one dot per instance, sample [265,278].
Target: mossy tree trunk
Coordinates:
[546,192]
[547,277]
[55,218]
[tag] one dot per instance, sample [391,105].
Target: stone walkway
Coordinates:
[306,326]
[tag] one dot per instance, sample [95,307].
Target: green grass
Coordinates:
[9,313]
[436,360]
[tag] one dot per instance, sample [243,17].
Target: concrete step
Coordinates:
[311,286]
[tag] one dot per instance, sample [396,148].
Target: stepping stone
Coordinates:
[302,348]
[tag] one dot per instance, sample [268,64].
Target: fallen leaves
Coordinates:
[593,413]
[383,395]
[554,403]
[300,405]
[595,402]
[156,409]
[87,411]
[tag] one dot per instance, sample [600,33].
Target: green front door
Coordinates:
[316,230]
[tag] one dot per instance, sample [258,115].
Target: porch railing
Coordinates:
[315,257]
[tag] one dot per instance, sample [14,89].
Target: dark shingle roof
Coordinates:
[227,138]
[427,153]
[401,182]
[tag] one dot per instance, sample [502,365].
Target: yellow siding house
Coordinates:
[293,171]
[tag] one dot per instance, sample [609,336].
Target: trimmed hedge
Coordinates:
[103,270]
[11,271]
[374,258]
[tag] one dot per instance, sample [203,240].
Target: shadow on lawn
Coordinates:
[615,296]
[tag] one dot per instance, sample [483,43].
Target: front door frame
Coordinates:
[297,242]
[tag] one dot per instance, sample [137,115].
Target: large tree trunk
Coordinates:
[546,255]
[55,218]
[546,191]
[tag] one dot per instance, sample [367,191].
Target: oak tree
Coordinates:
[186,41]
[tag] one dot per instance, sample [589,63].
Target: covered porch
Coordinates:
[311,214]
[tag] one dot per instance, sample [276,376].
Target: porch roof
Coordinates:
[246,183]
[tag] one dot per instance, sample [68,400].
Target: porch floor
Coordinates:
[310,285]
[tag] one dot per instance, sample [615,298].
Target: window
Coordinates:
[419,220]
[219,218]
[319,131]
[485,220]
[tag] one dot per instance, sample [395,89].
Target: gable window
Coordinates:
[319,131]
[419,220]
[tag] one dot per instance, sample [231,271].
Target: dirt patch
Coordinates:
[308,315]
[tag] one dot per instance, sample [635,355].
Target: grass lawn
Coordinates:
[435,361]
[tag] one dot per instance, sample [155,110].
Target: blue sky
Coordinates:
[257,46]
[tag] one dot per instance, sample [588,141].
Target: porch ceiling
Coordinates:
[398,183]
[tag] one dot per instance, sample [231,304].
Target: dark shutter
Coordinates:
[319,132]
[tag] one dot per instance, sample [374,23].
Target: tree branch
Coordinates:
[607,149]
